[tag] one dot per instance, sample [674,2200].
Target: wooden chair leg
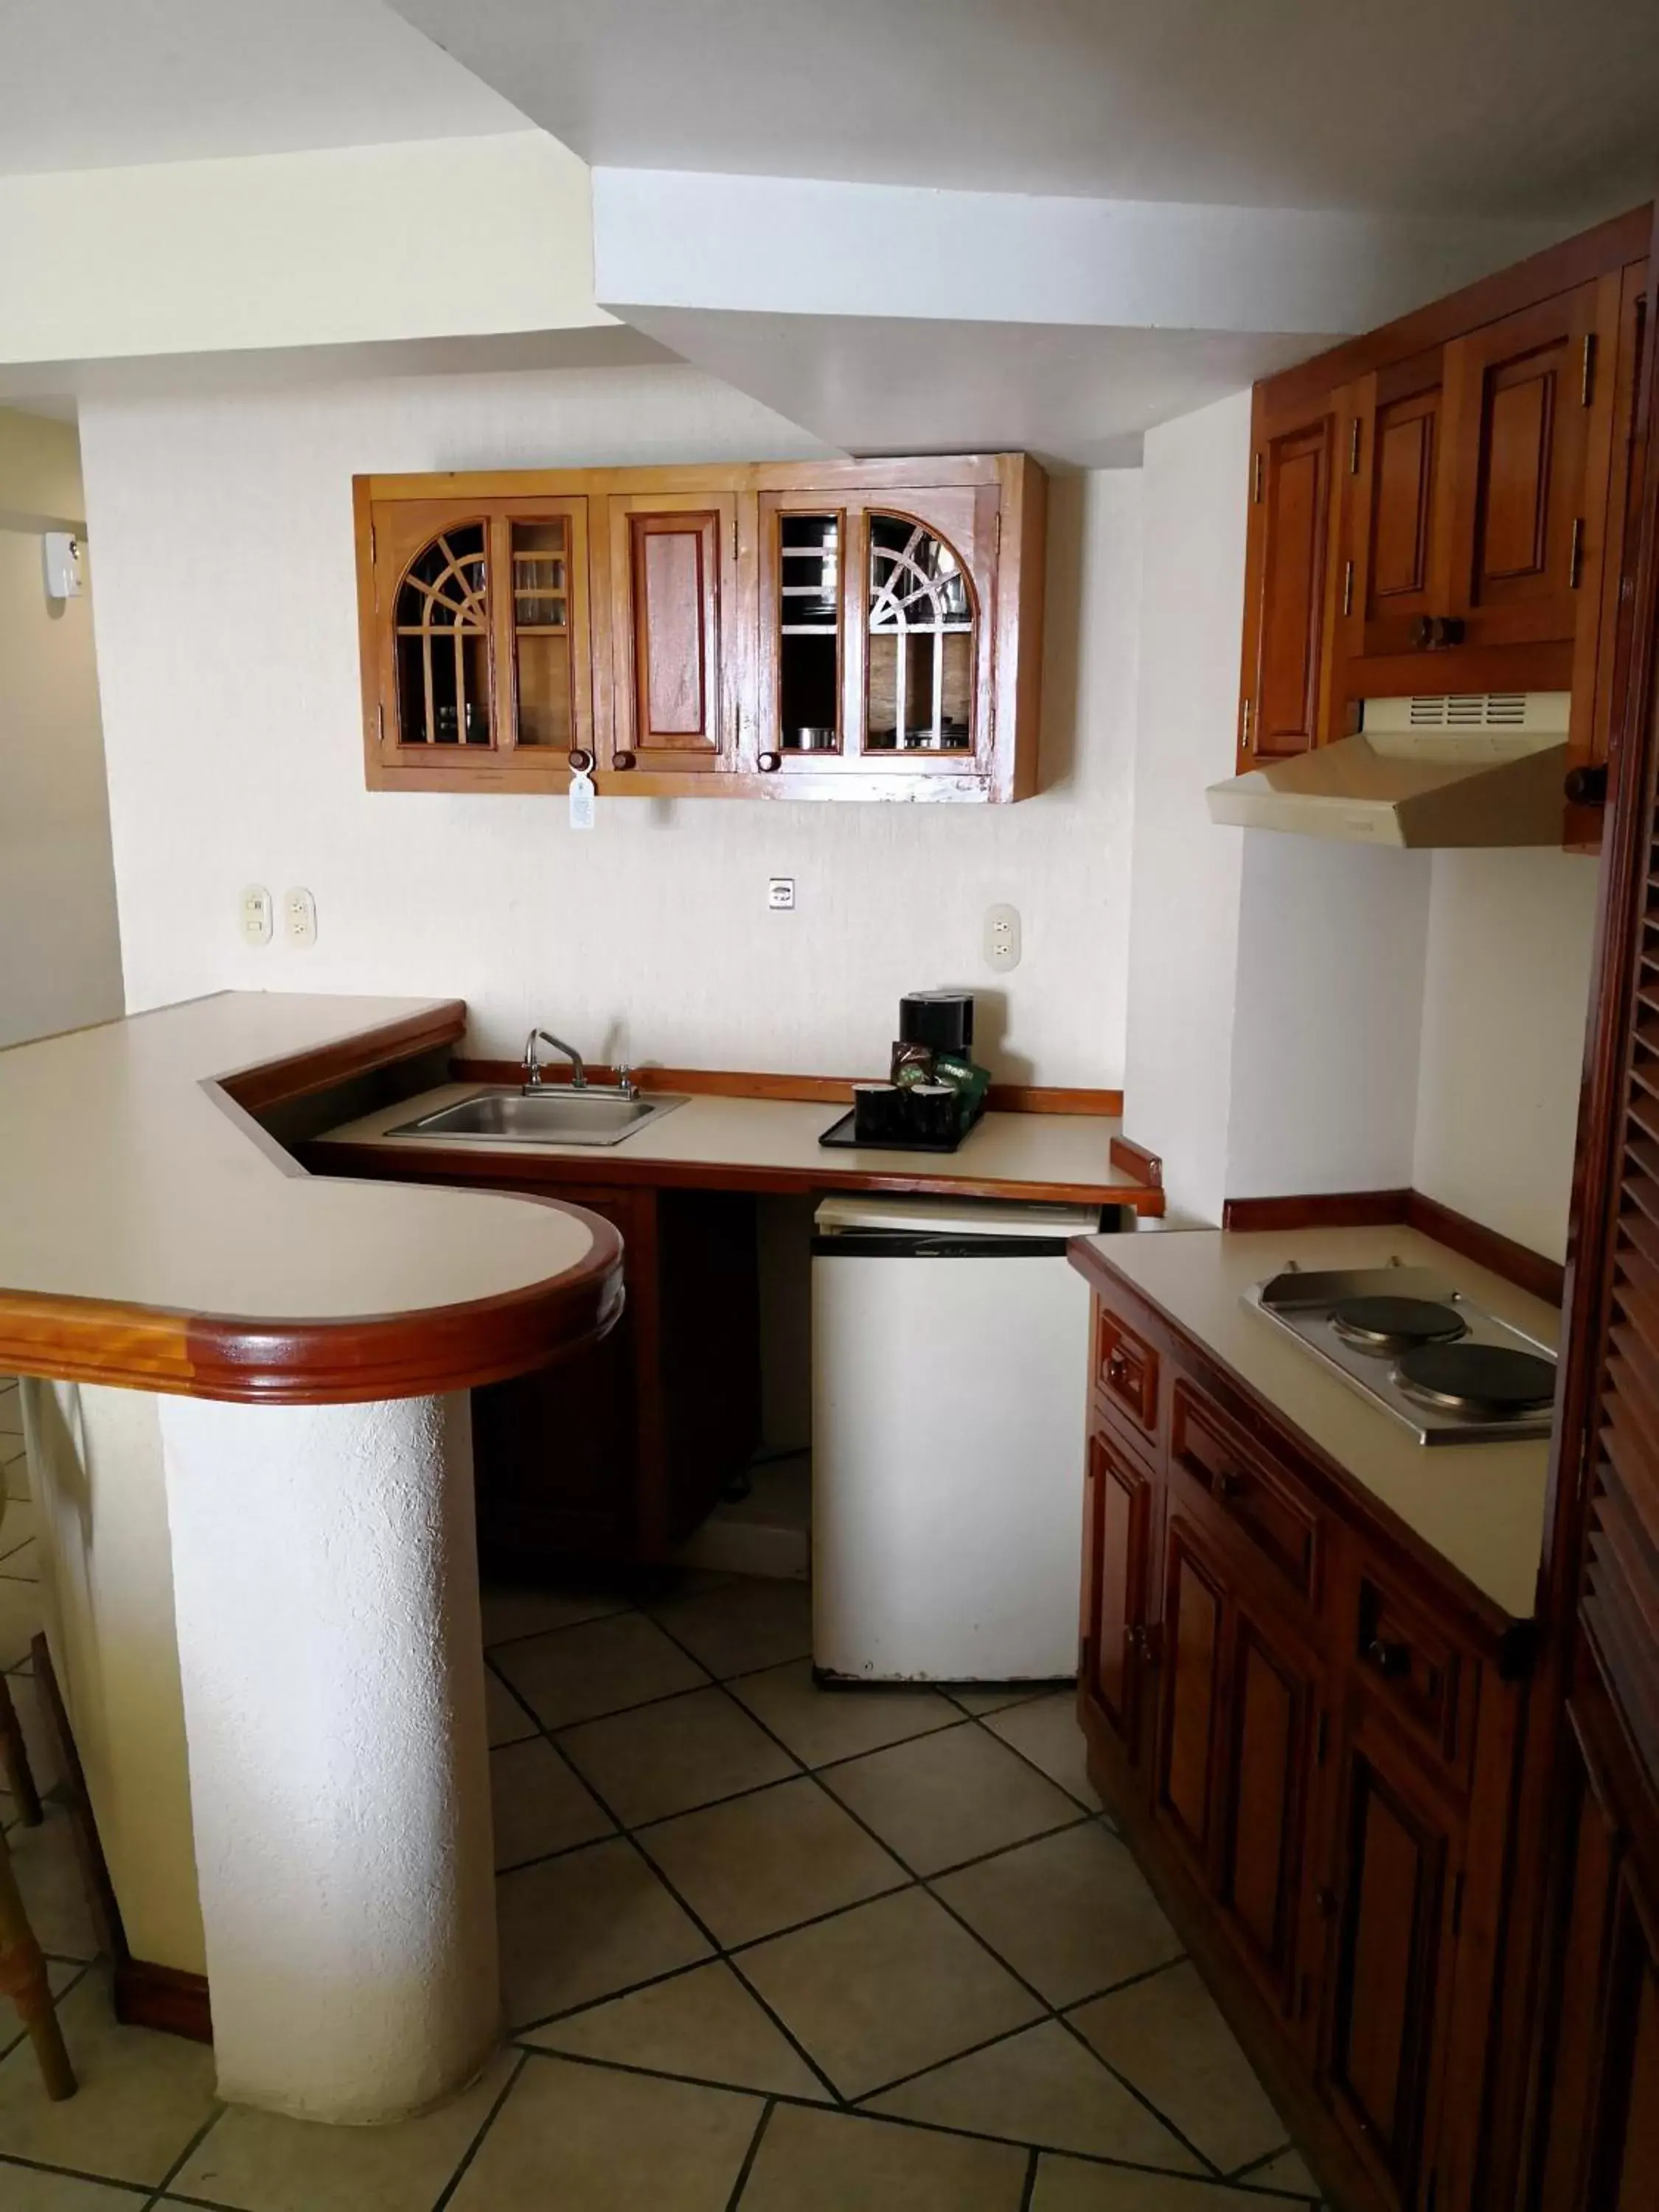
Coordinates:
[15,1761]
[23,1979]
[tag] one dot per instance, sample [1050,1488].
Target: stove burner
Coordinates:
[1384,1325]
[1485,1382]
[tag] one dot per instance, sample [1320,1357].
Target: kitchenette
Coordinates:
[1111,1128]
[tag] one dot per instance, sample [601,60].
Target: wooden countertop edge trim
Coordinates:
[273,1083]
[830,1090]
[315,1361]
[594,1168]
[312,1359]
[1530,1271]
[1508,1637]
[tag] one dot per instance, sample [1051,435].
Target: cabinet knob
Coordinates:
[1325,1899]
[1117,1369]
[580,761]
[1389,1659]
[1228,1484]
[1586,786]
[769,764]
[621,762]
[1431,633]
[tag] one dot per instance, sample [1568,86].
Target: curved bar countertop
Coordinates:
[153,1235]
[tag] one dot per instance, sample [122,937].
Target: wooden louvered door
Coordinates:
[1596,2134]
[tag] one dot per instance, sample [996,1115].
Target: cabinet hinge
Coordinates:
[372,553]
[380,721]
[1321,1739]
[1576,554]
[1249,714]
[1457,1902]
[1347,588]
[734,540]
[1255,480]
[1587,380]
[1353,448]
[996,543]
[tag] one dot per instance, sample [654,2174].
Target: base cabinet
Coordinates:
[1311,1737]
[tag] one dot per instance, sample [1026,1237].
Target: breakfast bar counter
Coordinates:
[244,1396]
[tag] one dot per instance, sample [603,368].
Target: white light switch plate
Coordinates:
[255,912]
[1001,938]
[300,917]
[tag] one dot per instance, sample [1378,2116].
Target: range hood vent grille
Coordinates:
[1468,710]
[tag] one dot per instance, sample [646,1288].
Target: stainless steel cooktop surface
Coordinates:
[1410,1341]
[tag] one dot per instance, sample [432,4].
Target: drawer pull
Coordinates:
[1228,1484]
[1389,1659]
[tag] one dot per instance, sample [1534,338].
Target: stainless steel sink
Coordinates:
[555,1115]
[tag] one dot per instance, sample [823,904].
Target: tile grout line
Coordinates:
[477,2144]
[1030,2189]
[750,2155]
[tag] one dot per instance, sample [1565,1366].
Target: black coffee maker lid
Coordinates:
[942,1020]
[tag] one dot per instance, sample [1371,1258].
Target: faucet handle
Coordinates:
[625,1082]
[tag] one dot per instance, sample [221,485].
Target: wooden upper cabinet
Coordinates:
[673,586]
[1286,564]
[867,629]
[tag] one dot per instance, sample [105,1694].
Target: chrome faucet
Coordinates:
[532,1066]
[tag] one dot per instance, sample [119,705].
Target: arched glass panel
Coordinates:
[442,630]
[921,619]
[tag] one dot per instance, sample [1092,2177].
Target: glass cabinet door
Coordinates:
[443,694]
[920,624]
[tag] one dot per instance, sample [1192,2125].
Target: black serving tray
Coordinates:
[838,1135]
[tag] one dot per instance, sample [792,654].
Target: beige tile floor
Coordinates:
[765,1947]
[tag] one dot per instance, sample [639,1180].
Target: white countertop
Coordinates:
[1060,1156]
[1481,1506]
[127,1176]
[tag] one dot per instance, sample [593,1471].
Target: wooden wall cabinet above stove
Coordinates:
[1443,505]
[1309,1729]
[815,630]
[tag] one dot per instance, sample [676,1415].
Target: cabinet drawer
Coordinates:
[1126,1371]
[1280,1526]
[1416,1669]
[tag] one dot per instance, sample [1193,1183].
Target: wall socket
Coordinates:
[299,917]
[780,893]
[1001,938]
[255,914]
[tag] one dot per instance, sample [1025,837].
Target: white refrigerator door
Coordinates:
[948,1442]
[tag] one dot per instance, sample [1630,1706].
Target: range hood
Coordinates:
[1473,768]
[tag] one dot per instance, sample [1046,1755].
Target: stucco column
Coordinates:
[326,1586]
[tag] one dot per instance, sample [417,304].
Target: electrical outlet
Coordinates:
[1002,938]
[300,917]
[780,893]
[255,914]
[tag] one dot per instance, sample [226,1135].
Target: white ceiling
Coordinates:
[1519,108]
[99,84]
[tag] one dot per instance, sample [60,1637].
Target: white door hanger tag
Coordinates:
[582,796]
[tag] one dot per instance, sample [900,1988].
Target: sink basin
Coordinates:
[555,1115]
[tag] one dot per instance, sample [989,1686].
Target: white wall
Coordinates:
[233,720]
[1506,997]
[60,961]
[1186,873]
[361,242]
[1327,1018]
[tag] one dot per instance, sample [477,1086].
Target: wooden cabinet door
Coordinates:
[1273,1691]
[1186,1793]
[677,638]
[1529,418]
[1598,2146]
[1393,1898]
[1391,433]
[1118,1538]
[1286,607]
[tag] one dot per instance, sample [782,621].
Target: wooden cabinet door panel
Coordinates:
[1120,1500]
[1526,453]
[1392,1897]
[1273,1692]
[1190,1718]
[1290,514]
[1395,480]
[673,599]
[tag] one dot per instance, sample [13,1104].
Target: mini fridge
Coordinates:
[950,1384]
